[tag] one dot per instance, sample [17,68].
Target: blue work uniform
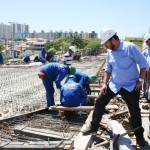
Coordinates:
[43,53]
[42,60]
[73,94]
[26,59]
[36,59]
[1,59]
[54,72]
[84,80]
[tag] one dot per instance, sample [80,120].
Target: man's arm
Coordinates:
[141,76]
[106,77]
[105,81]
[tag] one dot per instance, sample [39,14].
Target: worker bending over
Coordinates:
[53,72]
[72,93]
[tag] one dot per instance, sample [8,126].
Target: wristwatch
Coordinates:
[140,79]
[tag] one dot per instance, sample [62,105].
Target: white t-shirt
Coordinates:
[67,59]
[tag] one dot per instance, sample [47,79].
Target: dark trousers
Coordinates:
[132,101]
[145,83]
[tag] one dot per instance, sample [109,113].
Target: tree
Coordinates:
[1,47]
[93,44]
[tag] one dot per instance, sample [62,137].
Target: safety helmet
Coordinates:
[72,76]
[93,78]
[144,46]
[106,34]
[72,69]
[72,48]
[146,37]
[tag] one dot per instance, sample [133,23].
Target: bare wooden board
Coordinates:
[80,108]
[82,142]
[41,133]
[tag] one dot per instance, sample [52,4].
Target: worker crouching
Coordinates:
[72,93]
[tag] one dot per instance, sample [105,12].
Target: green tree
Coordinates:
[93,44]
[1,47]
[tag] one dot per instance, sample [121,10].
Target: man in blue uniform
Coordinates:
[1,58]
[85,80]
[121,77]
[72,93]
[43,53]
[26,59]
[53,72]
[36,59]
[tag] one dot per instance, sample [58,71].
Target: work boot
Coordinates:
[87,129]
[141,142]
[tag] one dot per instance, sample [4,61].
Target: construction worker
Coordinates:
[85,80]
[36,59]
[72,93]
[121,77]
[26,59]
[1,58]
[53,72]
[68,56]
[43,53]
[146,53]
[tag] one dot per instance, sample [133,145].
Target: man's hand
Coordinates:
[104,89]
[138,85]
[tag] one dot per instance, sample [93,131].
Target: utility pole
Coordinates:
[11,23]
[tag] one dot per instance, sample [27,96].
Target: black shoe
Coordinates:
[141,142]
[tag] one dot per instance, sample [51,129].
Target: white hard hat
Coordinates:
[146,37]
[72,48]
[106,34]
[144,46]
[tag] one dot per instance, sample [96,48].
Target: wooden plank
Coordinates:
[41,133]
[95,85]
[80,108]
[92,96]
[120,113]
[82,142]
[95,90]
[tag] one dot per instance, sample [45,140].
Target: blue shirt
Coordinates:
[73,94]
[1,59]
[146,54]
[122,64]
[55,72]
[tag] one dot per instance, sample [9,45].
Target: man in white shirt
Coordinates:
[68,57]
[146,53]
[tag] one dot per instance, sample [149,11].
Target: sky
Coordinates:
[128,17]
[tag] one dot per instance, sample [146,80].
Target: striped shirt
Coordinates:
[67,59]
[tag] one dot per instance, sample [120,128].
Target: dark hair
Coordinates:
[115,37]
